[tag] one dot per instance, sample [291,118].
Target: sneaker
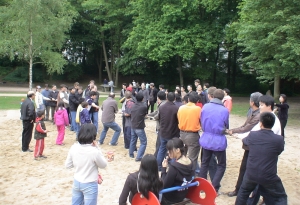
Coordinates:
[43,156]
[112,144]
[35,158]
[29,150]
[138,159]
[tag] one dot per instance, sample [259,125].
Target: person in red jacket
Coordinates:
[39,134]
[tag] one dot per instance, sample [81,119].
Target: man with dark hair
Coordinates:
[129,102]
[28,118]
[45,94]
[53,100]
[178,100]
[161,100]
[109,108]
[168,126]
[205,87]
[138,113]
[213,140]
[93,102]
[189,124]
[161,88]
[152,96]
[264,149]
[196,83]
[266,104]
[251,121]
[73,103]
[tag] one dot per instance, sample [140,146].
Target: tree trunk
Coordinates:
[234,68]
[99,59]
[228,69]
[180,71]
[105,55]
[215,70]
[276,87]
[30,62]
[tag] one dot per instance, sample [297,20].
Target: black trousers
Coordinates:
[151,104]
[221,167]
[283,124]
[273,192]
[52,112]
[26,134]
[242,170]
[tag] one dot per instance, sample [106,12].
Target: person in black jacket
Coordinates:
[283,108]
[180,171]
[264,150]
[168,126]
[28,117]
[73,104]
[53,100]
[152,96]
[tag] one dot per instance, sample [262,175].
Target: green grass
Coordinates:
[240,108]
[10,103]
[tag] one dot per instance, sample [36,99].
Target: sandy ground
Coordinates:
[25,181]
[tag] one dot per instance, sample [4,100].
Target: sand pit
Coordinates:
[25,181]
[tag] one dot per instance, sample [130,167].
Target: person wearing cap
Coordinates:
[28,117]
[39,99]
[152,96]
[46,93]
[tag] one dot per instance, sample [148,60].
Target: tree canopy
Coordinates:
[35,31]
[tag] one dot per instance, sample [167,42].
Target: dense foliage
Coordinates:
[228,43]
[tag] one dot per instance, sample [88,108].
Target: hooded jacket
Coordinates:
[175,177]
[61,117]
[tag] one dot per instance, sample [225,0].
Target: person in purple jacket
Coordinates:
[214,120]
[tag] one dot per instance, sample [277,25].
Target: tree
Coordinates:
[269,31]
[34,30]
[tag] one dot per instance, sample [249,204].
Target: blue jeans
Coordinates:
[273,193]
[161,151]
[41,108]
[84,193]
[74,126]
[115,127]
[135,134]
[94,117]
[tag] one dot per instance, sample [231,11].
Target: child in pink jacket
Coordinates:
[61,120]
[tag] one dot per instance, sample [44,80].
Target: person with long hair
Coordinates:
[61,119]
[180,171]
[86,157]
[283,108]
[142,181]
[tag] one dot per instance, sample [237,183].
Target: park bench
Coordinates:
[105,86]
[200,191]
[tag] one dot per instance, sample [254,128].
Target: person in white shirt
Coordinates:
[266,104]
[85,157]
[39,103]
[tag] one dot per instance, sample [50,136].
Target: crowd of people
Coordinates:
[191,126]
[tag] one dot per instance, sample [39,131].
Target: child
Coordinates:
[61,120]
[79,109]
[40,133]
[84,114]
